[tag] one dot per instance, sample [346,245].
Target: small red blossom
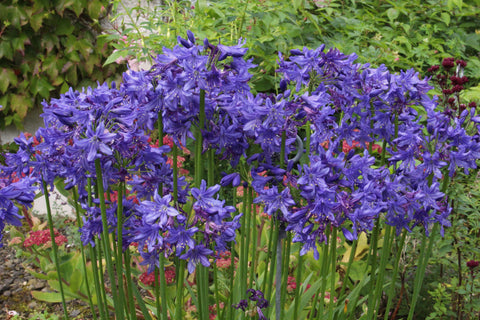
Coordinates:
[148,279]
[472,264]
[457,88]
[292,285]
[433,68]
[355,144]
[42,237]
[461,63]
[448,63]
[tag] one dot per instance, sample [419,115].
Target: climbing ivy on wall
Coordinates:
[46,47]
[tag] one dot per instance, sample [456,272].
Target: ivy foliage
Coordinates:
[45,48]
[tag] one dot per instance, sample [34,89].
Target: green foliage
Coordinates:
[405,34]
[39,262]
[47,47]
[399,34]
[455,286]
[39,316]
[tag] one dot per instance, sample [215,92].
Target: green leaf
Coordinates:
[7,78]
[472,93]
[392,14]
[305,296]
[115,55]
[6,49]
[95,8]
[445,18]
[37,275]
[51,297]
[64,26]
[36,21]
[78,6]
[76,280]
[62,5]
[297,4]
[18,43]
[20,104]
[72,76]
[41,86]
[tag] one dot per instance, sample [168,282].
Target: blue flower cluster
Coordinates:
[321,92]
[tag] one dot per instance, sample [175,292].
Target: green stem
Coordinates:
[163,285]
[232,291]
[248,213]
[84,258]
[129,284]
[268,258]
[215,283]
[273,260]
[278,275]
[253,247]
[106,242]
[298,279]
[99,282]
[381,272]
[285,269]
[242,19]
[353,251]
[372,262]
[97,277]
[180,291]
[156,288]
[425,252]
[119,251]
[54,247]
[391,290]
[333,264]
[324,273]
[241,285]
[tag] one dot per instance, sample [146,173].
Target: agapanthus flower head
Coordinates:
[196,255]
[19,192]
[157,211]
[96,141]
[233,51]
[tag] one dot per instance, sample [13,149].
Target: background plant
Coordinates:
[400,34]
[47,47]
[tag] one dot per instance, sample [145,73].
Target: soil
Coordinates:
[16,285]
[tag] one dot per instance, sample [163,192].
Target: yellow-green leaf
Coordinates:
[7,78]
[20,104]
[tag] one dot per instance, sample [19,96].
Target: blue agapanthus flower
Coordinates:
[21,192]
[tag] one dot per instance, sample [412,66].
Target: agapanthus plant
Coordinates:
[342,147]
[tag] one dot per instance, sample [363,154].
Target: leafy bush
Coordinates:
[400,34]
[45,48]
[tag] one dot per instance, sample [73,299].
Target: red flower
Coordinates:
[472,264]
[148,279]
[42,237]
[448,63]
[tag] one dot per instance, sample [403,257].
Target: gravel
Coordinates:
[15,287]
